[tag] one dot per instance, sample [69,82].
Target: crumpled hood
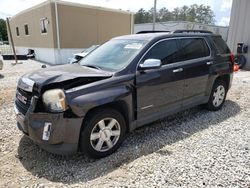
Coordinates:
[61,73]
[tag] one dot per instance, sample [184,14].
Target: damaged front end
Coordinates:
[54,132]
[44,115]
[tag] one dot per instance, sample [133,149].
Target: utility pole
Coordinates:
[11,40]
[154,15]
[59,55]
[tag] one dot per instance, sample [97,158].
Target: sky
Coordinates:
[221,8]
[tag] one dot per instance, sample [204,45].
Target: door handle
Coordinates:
[210,62]
[178,70]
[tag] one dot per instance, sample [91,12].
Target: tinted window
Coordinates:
[26,29]
[166,51]
[193,48]
[221,45]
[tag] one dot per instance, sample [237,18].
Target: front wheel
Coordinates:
[102,133]
[217,96]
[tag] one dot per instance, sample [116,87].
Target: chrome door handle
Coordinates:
[210,62]
[178,70]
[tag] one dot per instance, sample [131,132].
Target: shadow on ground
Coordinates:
[1,76]
[144,141]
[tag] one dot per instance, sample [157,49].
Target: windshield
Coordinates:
[91,48]
[114,55]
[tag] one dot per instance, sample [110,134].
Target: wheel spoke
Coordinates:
[109,143]
[99,145]
[101,124]
[215,94]
[111,123]
[221,93]
[115,133]
[221,97]
[215,102]
[94,136]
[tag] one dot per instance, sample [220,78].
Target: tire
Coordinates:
[217,96]
[103,132]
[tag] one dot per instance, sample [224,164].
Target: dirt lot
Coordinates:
[194,148]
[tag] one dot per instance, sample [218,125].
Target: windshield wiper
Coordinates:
[93,66]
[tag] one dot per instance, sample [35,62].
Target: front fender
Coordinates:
[80,105]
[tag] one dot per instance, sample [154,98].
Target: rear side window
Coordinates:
[221,45]
[166,51]
[193,48]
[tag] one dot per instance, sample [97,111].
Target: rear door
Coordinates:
[196,59]
[160,91]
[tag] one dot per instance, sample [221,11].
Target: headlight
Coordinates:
[54,100]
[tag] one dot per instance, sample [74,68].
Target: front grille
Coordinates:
[21,105]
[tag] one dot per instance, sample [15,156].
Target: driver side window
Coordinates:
[166,51]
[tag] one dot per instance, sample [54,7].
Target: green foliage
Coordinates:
[3,30]
[194,13]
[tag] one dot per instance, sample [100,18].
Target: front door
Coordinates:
[160,91]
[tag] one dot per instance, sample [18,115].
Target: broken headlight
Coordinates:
[54,100]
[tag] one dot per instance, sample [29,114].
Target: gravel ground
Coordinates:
[194,148]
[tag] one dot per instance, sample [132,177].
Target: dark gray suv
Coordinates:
[127,82]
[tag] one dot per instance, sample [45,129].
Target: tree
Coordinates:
[176,14]
[194,13]
[164,15]
[142,16]
[184,13]
[3,30]
[205,15]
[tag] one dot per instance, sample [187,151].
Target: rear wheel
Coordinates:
[217,96]
[102,133]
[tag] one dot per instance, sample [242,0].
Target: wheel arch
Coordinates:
[225,78]
[120,106]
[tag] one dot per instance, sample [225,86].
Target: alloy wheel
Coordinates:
[219,95]
[105,134]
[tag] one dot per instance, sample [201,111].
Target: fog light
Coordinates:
[46,130]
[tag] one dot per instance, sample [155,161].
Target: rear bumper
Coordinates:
[61,138]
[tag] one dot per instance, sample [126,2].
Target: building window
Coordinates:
[26,29]
[17,32]
[44,25]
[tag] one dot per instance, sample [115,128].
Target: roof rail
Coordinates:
[191,31]
[148,31]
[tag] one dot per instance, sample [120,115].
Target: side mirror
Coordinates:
[150,64]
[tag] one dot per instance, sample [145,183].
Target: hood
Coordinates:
[66,75]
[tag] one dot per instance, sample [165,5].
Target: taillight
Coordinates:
[236,67]
[232,58]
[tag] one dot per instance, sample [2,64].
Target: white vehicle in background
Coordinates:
[77,57]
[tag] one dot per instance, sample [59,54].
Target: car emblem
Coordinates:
[21,98]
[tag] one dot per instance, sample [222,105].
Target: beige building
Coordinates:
[57,29]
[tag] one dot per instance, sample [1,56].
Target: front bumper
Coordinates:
[63,134]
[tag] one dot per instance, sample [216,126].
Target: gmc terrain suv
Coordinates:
[127,82]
